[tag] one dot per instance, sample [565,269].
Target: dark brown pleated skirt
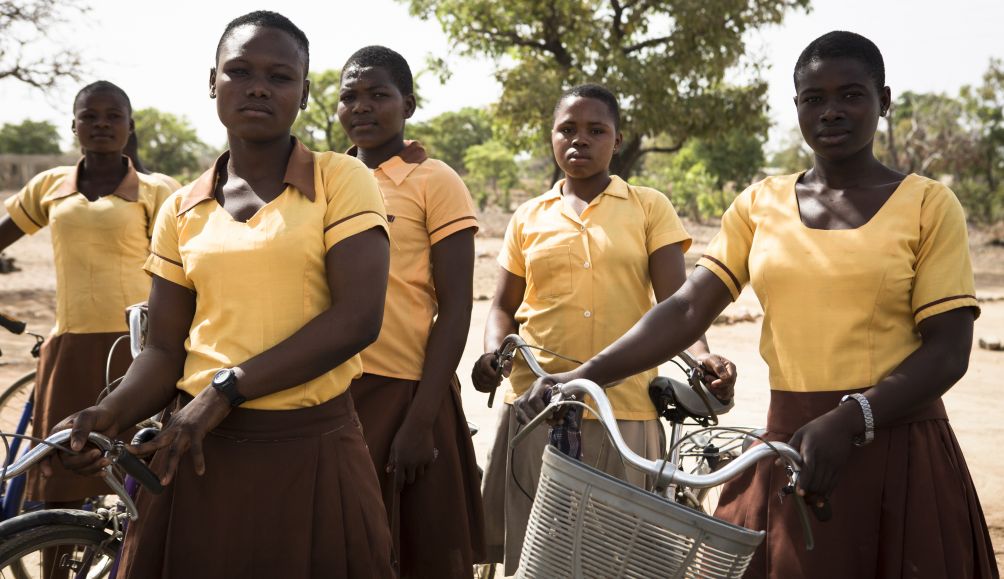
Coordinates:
[438,520]
[286,493]
[71,375]
[904,507]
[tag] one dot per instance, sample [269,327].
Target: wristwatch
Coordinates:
[225,382]
[866,410]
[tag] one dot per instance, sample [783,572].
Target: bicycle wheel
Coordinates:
[56,544]
[13,399]
[703,454]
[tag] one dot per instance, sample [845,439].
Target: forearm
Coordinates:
[442,356]
[9,232]
[149,386]
[700,347]
[499,325]
[327,341]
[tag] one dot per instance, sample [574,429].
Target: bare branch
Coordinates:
[671,149]
[647,44]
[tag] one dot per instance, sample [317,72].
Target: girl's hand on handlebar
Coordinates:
[720,375]
[536,399]
[89,460]
[825,445]
[486,374]
[185,432]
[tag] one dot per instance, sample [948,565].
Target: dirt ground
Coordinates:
[973,404]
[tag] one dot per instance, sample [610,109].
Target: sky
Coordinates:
[161,52]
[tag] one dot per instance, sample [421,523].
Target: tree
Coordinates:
[667,61]
[984,107]
[318,127]
[449,135]
[686,180]
[491,168]
[924,135]
[25,24]
[794,156]
[30,138]
[169,144]
[735,157]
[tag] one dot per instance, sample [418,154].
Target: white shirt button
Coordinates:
[586,265]
[587,314]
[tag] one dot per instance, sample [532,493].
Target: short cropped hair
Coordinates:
[101,86]
[387,59]
[594,91]
[843,44]
[268,19]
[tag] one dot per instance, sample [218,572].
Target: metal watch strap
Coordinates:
[866,410]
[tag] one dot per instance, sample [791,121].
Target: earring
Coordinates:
[303,105]
[212,92]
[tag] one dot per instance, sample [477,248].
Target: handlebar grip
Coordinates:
[138,470]
[11,325]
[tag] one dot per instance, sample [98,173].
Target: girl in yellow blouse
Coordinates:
[101,214]
[579,265]
[269,273]
[867,289]
[409,397]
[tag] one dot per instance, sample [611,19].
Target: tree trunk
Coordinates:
[893,155]
[624,163]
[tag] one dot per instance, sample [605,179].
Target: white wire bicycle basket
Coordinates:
[587,524]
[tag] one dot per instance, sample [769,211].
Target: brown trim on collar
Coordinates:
[353,216]
[941,301]
[735,280]
[127,189]
[299,174]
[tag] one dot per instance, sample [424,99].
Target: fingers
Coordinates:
[506,368]
[198,458]
[82,424]
[177,449]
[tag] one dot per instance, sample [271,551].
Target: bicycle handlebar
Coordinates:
[115,449]
[11,325]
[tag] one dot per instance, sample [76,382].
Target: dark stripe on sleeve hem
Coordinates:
[28,215]
[177,263]
[449,223]
[941,301]
[735,280]
[353,216]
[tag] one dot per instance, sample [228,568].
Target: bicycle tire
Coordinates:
[13,399]
[23,538]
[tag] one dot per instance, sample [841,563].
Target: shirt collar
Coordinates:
[398,167]
[128,188]
[617,188]
[299,174]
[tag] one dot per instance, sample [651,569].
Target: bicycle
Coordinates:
[86,542]
[585,523]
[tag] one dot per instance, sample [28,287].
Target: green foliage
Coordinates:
[448,136]
[492,172]
[30,138]
[734,157]
[318,127]
[794,156]
[685,178]
[169,144]
[666,60]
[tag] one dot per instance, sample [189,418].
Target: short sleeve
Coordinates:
[26,209]
[727,256]
[354,202]
[511,256]
[165,252]
[159,195]
[448,205]
[663,226]
[943,277]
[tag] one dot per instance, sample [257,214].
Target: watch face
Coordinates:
[221,376]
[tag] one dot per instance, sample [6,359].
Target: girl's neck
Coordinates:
[859,170]
[258,161]
[587,188]
[104,166]
[377,156]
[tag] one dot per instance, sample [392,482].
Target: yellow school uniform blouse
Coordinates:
[587,279]
[257,283]
[426,202]
[98,247]
[841,307]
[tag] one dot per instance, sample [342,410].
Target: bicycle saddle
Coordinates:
[666,391]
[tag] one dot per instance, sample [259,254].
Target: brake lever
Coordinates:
[696,380]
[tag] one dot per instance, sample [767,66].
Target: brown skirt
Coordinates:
[71,375]
[437,521]
[286,493]
[905,506]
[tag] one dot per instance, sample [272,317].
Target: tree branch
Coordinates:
[647,44]
[671,149]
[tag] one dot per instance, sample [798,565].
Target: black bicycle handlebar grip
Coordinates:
[138,470]
[822,513]
[11,325]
